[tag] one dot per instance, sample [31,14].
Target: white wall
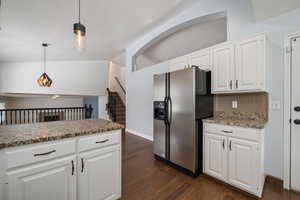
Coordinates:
[139,102]
[69,77]
[240,25]
[42,102]
[102,105]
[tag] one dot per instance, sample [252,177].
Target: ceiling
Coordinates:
[111,25]
[264,9]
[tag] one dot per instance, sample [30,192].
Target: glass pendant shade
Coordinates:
[79,31]
[44,80]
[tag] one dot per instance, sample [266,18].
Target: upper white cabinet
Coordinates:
[240,67]
[178,63]
[223,67]
[51,180]
[251,64]
[100,174]
[201,58]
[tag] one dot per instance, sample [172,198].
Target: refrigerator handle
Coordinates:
[170,110]
[166,111]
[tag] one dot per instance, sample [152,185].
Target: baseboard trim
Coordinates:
[272,179]
[140,134]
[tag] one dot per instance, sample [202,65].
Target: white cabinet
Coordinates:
[240,67]
[84,168]
[215,156]
[235,155]
[51,180]
[250,64]
[100,174]
[1,188]
[223,67]
[243,164]
[178,63]
[201,58]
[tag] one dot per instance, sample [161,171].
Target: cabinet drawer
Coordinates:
[219,129]
[98,141]
[36,153]
[234,131]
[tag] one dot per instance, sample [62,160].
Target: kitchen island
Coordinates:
[63,160]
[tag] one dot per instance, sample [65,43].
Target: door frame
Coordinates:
[287,109]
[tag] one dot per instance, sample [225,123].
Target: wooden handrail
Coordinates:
[121,86]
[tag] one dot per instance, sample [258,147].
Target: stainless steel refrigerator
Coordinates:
[181,100]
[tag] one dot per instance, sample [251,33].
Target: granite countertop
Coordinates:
[258,124]
[245,120]
[22,134]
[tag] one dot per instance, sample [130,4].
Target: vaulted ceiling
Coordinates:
[111,25]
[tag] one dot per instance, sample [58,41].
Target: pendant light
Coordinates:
[44,80]
[79,31]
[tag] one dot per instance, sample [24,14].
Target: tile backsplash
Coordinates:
[248,104]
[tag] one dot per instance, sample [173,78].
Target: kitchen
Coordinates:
[211,119]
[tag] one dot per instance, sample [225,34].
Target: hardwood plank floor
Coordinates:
[144,178]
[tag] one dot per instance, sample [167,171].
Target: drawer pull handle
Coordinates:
[73,168]
[82,165]
[43,154]
[223,144]
[227,131]
[103,141]
[230,146]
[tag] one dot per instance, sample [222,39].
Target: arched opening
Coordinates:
[183,39]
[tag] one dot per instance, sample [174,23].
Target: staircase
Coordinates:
[116,108]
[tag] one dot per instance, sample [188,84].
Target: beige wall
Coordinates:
[247,103]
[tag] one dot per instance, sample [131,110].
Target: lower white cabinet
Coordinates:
[243,166]
[51,180]
[235,155]
[215,156]
[83,168]
[100,175]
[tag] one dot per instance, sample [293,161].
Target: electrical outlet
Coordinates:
[234,104]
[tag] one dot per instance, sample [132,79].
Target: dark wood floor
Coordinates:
[145,178]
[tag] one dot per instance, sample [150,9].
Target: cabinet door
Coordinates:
[178,63]
[215,156]
[100,174]
[47,181]
[201,58]
[244,164]
[250,64]
[223,68]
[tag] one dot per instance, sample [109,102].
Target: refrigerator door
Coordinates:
[183,138]
[159,128]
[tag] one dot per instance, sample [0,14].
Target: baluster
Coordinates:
[10,117]
[1,116]
[6,117]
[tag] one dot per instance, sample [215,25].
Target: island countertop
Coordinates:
[22,134]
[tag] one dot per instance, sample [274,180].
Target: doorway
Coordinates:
[295,113]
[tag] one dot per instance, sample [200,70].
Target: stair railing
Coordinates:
[120,84]
[36,115]
[111,106]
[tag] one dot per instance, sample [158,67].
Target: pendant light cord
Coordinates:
[79,10]
[45,58]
